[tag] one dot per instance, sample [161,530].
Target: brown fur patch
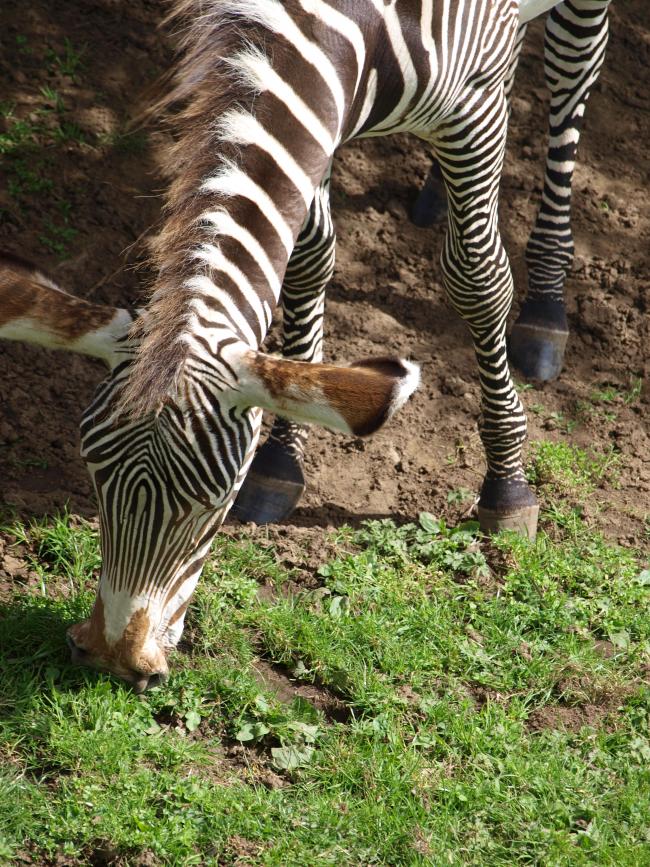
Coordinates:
[128,655]
[363,397]
[362,393]
[25,293]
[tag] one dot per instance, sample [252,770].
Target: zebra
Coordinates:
[265,93]
[171,537]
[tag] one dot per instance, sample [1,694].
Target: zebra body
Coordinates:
[268,90]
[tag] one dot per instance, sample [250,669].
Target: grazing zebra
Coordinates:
[164,484]
[268,90]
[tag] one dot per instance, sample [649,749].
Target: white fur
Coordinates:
[99,343]
[406,387]
[529,9]
[119,608]
[225,225]
[271,14]
[240,127]
[344,26]
[207,289]
[232,181]
[256,70]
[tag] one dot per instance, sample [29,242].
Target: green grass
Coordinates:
[480,703]
[566,470]
[27,149]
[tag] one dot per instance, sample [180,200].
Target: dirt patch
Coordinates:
[386,293]
[599,708]
[298,549]
[570,719]
[277,679]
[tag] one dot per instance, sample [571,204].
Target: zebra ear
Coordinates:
[35,310]
[357,399]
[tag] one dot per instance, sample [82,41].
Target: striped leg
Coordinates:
[574,50]
[478,280]
[430,207]
[275,481]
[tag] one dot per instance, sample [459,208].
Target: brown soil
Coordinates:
[386,295]
[600,710]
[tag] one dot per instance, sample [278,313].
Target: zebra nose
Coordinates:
[78,654]
[142,682]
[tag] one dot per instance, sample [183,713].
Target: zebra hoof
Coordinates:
[265,500]
[508,504]
[522,521]
[536,351]
[430,207]
[272,488]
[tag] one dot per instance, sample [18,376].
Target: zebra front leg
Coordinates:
[276,481]
[479,284]
[574,50]
[430,206]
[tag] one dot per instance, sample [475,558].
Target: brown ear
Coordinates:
[34,309]
[356,399]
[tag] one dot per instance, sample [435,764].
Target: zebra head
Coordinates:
[164,483]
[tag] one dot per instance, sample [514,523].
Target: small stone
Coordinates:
[13,566]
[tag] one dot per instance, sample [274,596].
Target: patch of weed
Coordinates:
[564,469]
[486,723]
[69,62]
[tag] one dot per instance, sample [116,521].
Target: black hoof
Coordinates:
[538,340]
[272,488]
[522,521]
[508,504]
[538,353]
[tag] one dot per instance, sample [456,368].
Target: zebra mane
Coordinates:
[204,86]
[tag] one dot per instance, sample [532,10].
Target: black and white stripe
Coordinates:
[574,51]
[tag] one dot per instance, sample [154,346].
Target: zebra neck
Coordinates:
[256,138]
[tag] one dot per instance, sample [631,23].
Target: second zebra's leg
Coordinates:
[275,481]
[477,276]
[430,206]
[574,50]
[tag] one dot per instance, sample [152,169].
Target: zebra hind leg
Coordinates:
[478,281]
[574,50]
[276,481]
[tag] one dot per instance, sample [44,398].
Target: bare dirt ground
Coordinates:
[386,295]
